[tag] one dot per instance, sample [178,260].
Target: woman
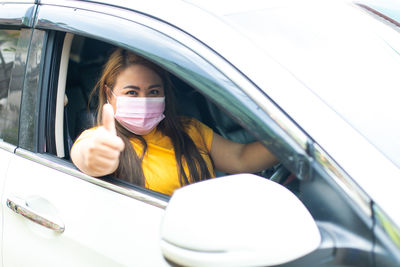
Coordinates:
[148,144]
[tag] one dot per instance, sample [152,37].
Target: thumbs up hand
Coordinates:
[108,119]
[98,155]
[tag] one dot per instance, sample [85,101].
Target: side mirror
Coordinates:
[237,220]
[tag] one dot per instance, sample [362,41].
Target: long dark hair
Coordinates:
[186,152]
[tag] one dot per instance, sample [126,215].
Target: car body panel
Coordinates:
[98,229]
[5,156]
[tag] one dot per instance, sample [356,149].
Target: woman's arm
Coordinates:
[232,157]
[98,154]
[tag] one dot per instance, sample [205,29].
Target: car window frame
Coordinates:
[58,18]
[297,148]
[75,26]
[17,16]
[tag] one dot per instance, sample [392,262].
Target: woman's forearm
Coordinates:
[232,157]
[256,157]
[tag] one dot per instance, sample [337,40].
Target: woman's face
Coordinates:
[137,81]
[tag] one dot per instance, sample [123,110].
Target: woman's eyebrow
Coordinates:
[138,88]
[131,87]
[154,86]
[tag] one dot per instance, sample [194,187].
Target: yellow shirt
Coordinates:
[159,164]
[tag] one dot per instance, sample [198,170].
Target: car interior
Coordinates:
[86,58]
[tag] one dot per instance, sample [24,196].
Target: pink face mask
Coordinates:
[140,115]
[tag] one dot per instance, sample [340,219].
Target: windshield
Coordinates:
[346,57]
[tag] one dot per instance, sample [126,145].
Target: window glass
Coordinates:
[8,47]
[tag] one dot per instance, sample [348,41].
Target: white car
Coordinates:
[316,81]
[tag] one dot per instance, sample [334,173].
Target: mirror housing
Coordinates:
[238,220]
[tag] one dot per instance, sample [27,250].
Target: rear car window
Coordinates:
[8,47]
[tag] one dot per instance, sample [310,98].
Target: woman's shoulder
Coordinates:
[190,123]
[198,131]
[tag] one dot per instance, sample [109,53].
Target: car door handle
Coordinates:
[20,206]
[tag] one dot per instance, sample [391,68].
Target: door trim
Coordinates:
[68,168]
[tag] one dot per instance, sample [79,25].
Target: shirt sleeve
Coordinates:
[85,134]
[201,134]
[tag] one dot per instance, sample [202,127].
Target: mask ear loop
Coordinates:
[108,102]
[111,93]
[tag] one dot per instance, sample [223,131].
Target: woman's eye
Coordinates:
[154,92]
[132,93]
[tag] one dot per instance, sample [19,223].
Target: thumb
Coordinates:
[108,119]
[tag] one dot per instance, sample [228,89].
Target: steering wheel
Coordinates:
[280,173]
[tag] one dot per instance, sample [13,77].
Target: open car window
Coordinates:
[203,90]
[86,58]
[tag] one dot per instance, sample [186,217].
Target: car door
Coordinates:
[54,215]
